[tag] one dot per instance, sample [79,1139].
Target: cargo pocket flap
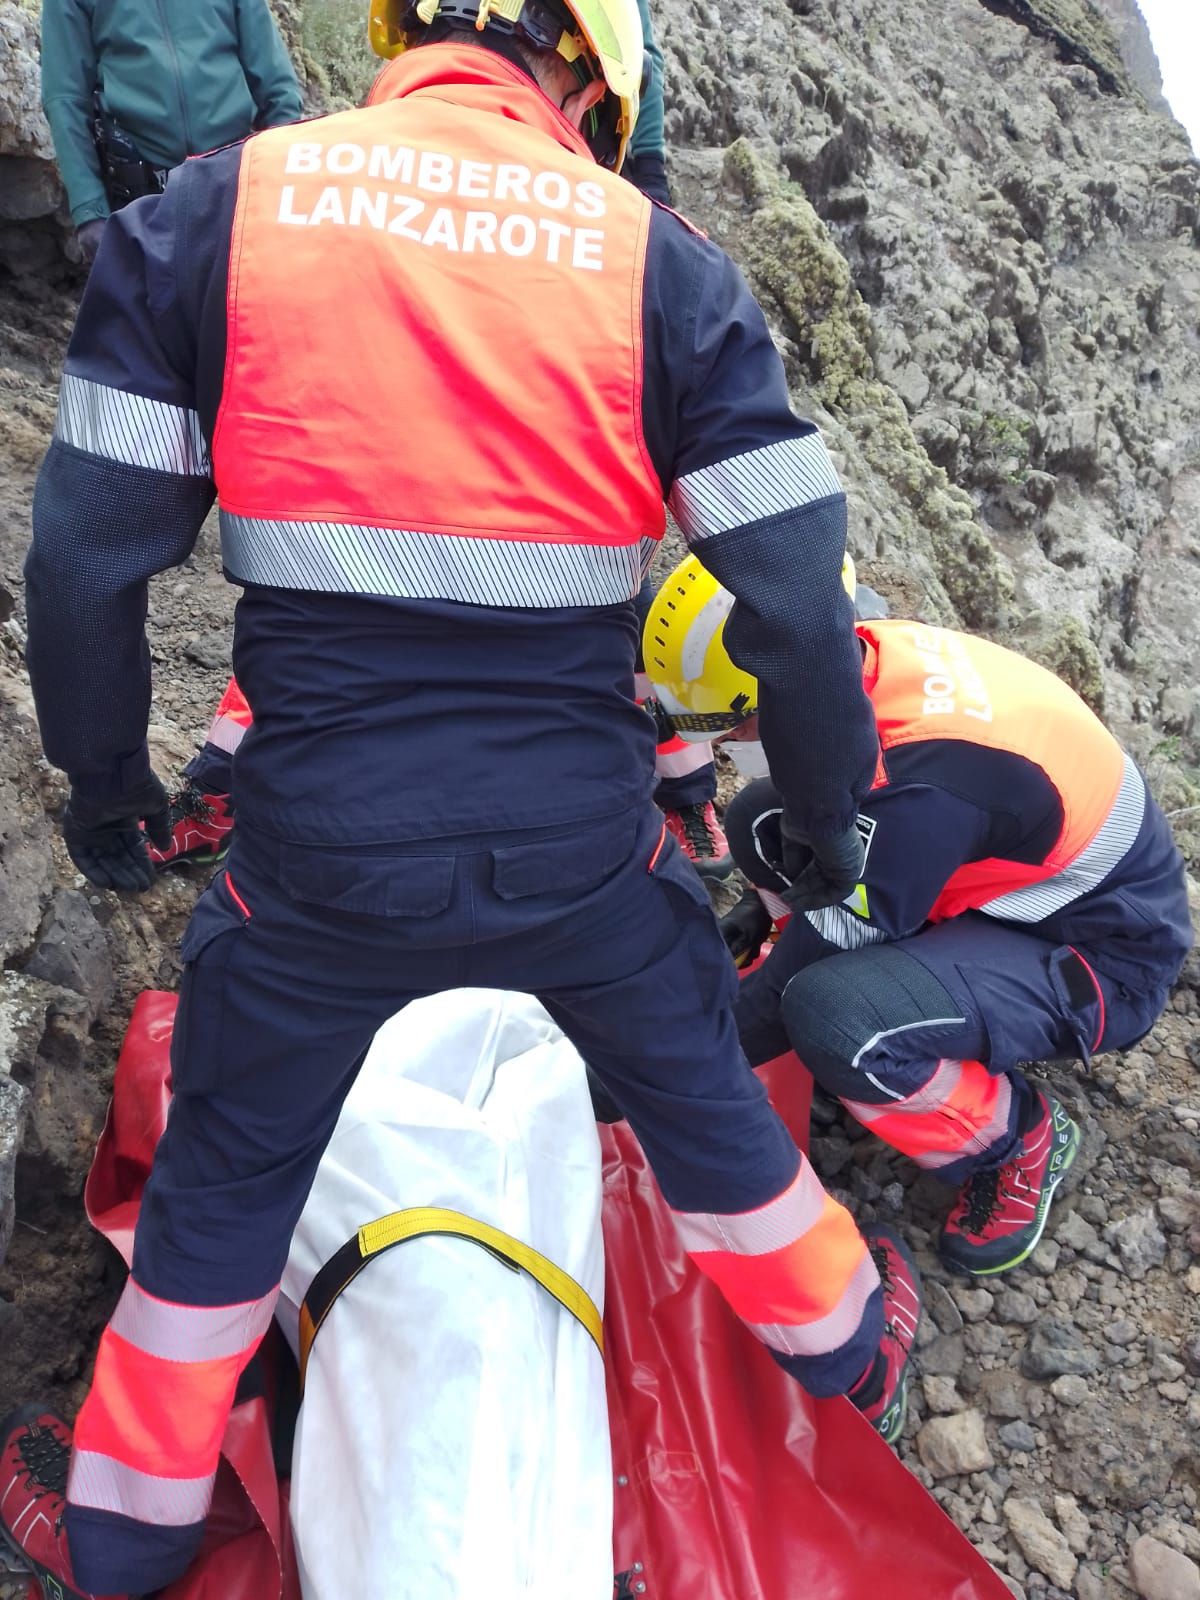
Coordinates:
[369,886]
[578,860]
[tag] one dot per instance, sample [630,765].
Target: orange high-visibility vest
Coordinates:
[929,683]
[426,297]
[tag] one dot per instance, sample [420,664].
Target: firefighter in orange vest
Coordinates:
[1021,899]
[440,366]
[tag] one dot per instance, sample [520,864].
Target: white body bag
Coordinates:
[453,1439]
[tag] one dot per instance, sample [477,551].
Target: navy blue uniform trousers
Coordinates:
[295,957]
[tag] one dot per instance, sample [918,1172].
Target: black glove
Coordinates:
[648,172]
[745,927]
[104,841]
[89,235]
[822,871]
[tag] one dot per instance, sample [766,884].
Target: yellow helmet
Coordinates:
[696,681]
[598,38]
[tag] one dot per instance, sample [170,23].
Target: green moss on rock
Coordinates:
[796,266]
[1063,645]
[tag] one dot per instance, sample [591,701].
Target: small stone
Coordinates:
[1073,1523]
[1017,1436]
[949,1446]
[73,951]
[893,1196]
[1054,1348]
[1165,1368]
[1074,1233]
[1091,1585]
[1191,1356]
[1177,1212]
[941,1396]
[1014,1305]
[985,1339]
[1045,1258]
[1139,1242]
[941,1307]
[944,1356]
[1122,1332]
[1040,1542]
[1178,1393]
[1070,1390]
[975,1304]
[1005,1394]
[1011,1584]
[1160,1573]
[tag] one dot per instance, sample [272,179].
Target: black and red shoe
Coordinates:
[702,839]
[201,829]
[1000,1215]
[35,1452]
[881,1394]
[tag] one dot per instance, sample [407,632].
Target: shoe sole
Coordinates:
[1067,1162]
[52,1588]
[720,869]
[212,859]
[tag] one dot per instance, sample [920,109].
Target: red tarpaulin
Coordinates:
[731,1483]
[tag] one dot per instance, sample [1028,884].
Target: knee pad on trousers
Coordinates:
[752,828]
[838,1012]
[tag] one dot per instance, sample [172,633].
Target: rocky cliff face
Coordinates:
[979,249]
[1137,50]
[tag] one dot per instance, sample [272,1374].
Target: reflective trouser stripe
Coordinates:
[676,758]
[796,1270]
[149,1435]
[963,1110]
[102,1483]
[776,907]
[232,720]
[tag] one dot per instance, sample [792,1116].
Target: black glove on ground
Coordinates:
[745,927]
[823,871]
[104,840]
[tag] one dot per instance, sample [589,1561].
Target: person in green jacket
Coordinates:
[646,159]
[173,78]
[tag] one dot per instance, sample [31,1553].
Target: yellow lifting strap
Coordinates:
[419,1222]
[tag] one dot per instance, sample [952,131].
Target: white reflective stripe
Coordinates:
[679,763]
[1089,868]
[103,1484]
[931,1096]
[226,733]
[777,907]
[189,1333]
[760,483]
[131,429]
[755,1233]
[930,1099]
[352,558]
[838,926]
[831,1331]
[903,1027]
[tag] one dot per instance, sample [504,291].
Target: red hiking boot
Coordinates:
[201,828]
[702,839]
[1000,1215]
[881,1394]
[35,1451]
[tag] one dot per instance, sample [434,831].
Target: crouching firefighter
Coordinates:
[1021,899]
[439,364]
